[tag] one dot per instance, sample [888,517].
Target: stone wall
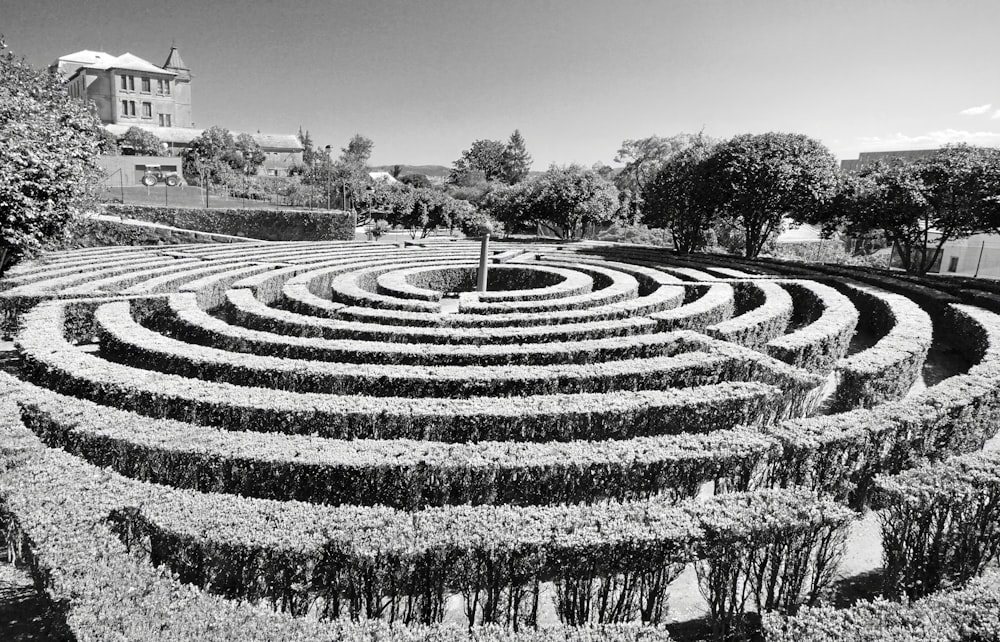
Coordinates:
[267,225]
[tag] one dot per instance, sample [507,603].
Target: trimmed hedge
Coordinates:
[818,345]
[181,316]
[353,560]
[267,225]
[55,508]
[940,523]
[53,363]
[763,315]
[888,369]
[244,309]
[964,615]
[708,306]
[124,340]
[400,473]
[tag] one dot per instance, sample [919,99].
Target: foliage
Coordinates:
[415,180]
[757,179]
[516,159]
[212,155]
[309,152]
[141,141]
[358,151]
[637,235]
[569,199]
[48,145]
[940,523]
[478,222]
[486,156]
[250,153]
[643,158]
[107,143]
[677,196]
[920,206]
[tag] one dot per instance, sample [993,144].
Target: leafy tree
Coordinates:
[922,205]
[142,142]
[212,154]
[573,198]
[643,157]
[48,145]
[107,143]
[604,171]
[756,179]
[509,204]
[516,159]
[415,180]
[309,152]
[357,152]
[677,196]
[486,156]
[251,155]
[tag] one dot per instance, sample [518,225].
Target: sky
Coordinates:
[425,78]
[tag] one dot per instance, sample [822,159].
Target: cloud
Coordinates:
[938,138]
[977,111]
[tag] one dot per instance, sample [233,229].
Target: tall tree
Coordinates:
[516,159]
[48,145]
[756,179]
[678,196]
[211,154]
[643,156]
[142,142]
[251,155]
[358,151]
[568,199]
[486,156]
[920,206]
[309,152]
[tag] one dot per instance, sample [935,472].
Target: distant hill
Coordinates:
[426,170]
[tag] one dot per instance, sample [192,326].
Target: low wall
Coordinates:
[263,224]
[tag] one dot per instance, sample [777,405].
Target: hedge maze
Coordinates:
[326,441]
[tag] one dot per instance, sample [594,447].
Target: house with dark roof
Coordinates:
[129,91]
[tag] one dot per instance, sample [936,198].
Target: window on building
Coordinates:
[147,110]
[953,264]
[166,87]
[145,85]
[164,120]
[124,82]
[131,83]
[131,108]
[124,110]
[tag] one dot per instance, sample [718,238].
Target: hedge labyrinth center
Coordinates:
[293,439]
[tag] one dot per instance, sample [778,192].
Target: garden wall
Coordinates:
[263,224]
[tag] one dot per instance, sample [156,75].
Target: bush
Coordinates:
[940,523]
[48,146]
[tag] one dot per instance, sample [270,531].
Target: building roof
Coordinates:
[277,142]
[174,60]
[102,60]
[184,135]
[384,177]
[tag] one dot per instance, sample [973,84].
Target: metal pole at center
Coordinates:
[483,265]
